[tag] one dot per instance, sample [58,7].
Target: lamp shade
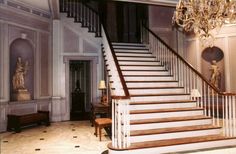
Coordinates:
[195,93]
[102,85]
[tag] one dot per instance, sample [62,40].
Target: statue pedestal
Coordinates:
[21,95]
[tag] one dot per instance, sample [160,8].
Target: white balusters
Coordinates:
[120,106]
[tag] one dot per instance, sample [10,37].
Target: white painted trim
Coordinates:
[23,26]
[6,6]
[227,64]
[6,55]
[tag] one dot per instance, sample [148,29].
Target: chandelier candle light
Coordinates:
[204,16]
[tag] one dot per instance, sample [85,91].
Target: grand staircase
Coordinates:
[163,117]
[153,109]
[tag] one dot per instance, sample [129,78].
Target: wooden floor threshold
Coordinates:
[172,130]
[164,110]
[172,142]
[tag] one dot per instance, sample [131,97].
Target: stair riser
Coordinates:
[165,115]
[162,106]
[174,135]
[141,68]
[152,84]
[156,91]
[143,54]
[127,44]
[145,73]
[160,98]
[136,58]
[130,47]
[138,63]
[179,148]
[170,124]
[144,78]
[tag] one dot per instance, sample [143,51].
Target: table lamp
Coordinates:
[102,86]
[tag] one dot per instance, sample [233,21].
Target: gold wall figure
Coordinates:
[215,74]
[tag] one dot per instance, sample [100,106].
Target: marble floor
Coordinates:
[75,137]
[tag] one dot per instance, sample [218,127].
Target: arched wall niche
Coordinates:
[208,55]
[22,48]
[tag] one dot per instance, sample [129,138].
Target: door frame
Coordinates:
[93,72]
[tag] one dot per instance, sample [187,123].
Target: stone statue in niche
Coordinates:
[215,74]
[18,81]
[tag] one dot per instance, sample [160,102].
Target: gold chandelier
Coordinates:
[203,17]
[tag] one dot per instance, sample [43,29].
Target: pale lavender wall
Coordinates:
[45,64]
[160,21]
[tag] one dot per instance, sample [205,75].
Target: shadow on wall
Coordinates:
[208,56]
[24,49]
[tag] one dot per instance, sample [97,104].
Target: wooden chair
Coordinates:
[100,123]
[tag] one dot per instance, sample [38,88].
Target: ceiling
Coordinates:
[39,4]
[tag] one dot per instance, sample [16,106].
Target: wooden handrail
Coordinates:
[187,63]
[127,95]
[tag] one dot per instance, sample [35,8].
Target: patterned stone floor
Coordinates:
[59,138]
[66,138]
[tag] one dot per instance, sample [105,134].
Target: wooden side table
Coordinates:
[98,109]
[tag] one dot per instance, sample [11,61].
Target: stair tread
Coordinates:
[142,65]
[143,70]
[155,81]
[137,60]
[164,94]
[123,48]
[171,119]
[148,75]
[155,87]
[134,52]
[162,102]
[164,110]
[172,130]
[171,142]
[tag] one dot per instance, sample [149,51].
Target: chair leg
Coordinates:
[96,133]
[100,133]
